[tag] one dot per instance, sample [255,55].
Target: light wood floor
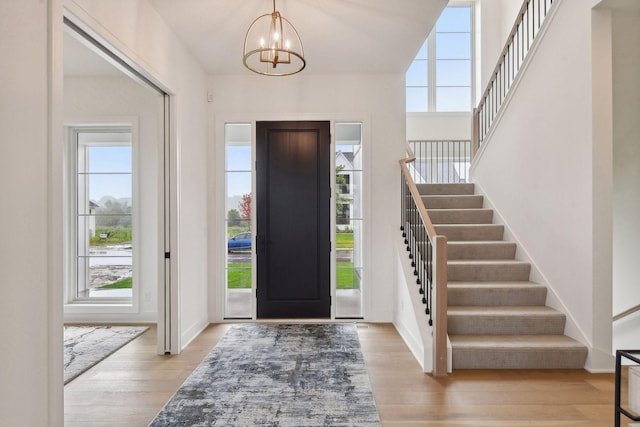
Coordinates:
[133,384]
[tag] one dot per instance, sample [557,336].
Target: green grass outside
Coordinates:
[240,276]
[344,240]
[115,235]
[120,284]
[344,275]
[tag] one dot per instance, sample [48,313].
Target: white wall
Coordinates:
[626,158]
[409,316]
[494,21]
[30,362]
[377,101]
[626,175]
[538,168]
[95,100]
[135,28]
[438,126]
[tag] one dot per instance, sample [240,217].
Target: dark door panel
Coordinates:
[293,218]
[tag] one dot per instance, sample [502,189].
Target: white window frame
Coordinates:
[432,61]
[102,305]
[252,221]
[360,249]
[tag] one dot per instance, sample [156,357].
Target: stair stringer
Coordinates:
[536,275]
[409,317]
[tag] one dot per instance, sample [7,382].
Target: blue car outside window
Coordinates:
[240,242]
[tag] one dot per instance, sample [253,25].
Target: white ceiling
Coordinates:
[339,36]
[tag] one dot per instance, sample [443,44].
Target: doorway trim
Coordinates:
[216,233]
[168,316]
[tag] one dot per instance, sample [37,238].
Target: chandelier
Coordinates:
[272,46]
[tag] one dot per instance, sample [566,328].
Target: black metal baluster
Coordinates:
[431,165]
[430,280]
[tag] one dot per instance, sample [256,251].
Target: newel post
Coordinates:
[475,132]
[440,332]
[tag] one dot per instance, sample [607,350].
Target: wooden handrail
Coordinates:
[505,49]
[626,313]
[528,24]
[415,193]
[440,359]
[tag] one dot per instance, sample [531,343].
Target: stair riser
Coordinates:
[457,233]
[530,358]
[461,216]
[506,325]
[480,293]
[452,202]
[446,189]
[497,297]
[501,250]
[491,272]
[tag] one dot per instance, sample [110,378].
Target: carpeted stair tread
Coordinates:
[488,270]
[461,216]
[446,189]
[497,318]
[470,232]
[453,202]
[505,311]
[522,293]
[514,341]
[517,352]
[505,320]
[487,262]
[496,283]
[481,249]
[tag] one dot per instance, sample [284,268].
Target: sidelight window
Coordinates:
[349,220]
[238,216]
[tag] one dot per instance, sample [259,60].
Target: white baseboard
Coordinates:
[415,345]
[192,332]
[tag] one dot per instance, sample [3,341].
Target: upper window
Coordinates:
[439,78]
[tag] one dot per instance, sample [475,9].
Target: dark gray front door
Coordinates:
[293,219]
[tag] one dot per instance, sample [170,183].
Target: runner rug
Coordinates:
[85,346]
[277,375]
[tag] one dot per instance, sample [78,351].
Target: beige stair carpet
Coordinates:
[497,318]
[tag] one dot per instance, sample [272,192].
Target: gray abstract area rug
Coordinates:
[85,346]
[277,375]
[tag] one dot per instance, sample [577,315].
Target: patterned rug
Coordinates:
[85,346]
[277,375]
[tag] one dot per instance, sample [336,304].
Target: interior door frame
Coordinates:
[168,314]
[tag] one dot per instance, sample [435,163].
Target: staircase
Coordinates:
[497,318]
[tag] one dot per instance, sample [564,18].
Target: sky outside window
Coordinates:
[440,79]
